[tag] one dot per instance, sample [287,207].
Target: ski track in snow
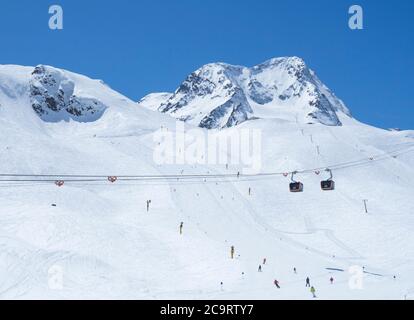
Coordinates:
[109,246]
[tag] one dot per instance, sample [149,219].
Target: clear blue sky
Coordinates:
[146,46]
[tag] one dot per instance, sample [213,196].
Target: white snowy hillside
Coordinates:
[220,95]
[154,100]
[67,231]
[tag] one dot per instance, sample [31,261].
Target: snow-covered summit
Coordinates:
[42,96]
[220,95]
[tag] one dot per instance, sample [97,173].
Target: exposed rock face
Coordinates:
[235,110]
[52,98]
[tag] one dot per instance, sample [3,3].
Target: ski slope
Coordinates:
[101,243]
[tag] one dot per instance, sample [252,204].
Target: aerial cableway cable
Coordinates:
[61,179]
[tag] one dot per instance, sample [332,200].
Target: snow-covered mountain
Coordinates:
[220,95]
[95,239]
[52,95]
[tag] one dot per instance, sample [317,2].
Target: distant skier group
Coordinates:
[275,282]
[312,289]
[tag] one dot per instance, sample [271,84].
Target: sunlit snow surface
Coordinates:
[105,244]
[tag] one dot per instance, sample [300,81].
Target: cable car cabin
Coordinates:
[328,185]
[296,187]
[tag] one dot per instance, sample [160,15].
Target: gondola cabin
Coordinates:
[328,185]
[296,187]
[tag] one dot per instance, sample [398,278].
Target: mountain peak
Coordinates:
[220,95]
[287,61]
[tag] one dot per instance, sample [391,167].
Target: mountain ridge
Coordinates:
[221,95]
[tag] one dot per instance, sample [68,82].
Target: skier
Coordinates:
[260,268]
[232,252]
[331,280]
[221,286]
[307,282]
[148,204]
[181,227]
[277,284]
[264,261]
[312,290]
[295,271]
[250,191]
